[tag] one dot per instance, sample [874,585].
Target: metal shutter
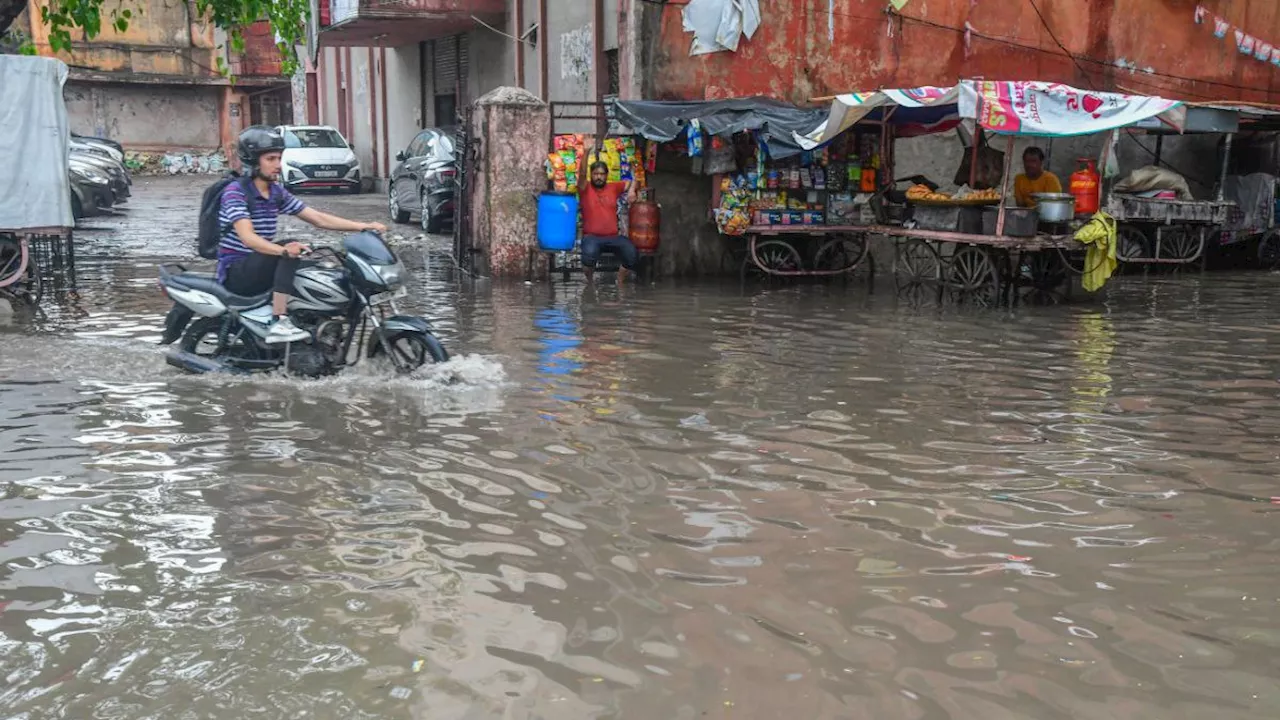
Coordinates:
[449,64]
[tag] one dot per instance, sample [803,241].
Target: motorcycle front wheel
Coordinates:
[409,351]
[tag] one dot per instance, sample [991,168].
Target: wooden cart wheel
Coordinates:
[974,276]
[1042,277]
[773,255]
[841,252]
[1179,242]
[1132,244]
[1269,250]
[918,263]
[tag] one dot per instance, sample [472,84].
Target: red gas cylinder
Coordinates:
[1086,185]
[643,224]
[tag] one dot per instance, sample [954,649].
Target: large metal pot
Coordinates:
[1055,207]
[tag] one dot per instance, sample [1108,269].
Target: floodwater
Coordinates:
[678,501]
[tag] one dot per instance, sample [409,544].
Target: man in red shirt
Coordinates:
[600,219]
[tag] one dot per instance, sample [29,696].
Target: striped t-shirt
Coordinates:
[265,215]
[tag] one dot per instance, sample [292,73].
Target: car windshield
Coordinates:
[313,138]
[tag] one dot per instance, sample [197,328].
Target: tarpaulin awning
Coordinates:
[918,111]
[780,123]
[1009,108]
[1057,110]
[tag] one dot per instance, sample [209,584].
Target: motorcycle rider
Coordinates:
[250,261]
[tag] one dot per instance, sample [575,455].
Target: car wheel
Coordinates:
[430,223]
[398,215]
[354,188]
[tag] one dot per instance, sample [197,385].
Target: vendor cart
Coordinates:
[999,260]
[35,217]
[1253,219]
[1165,231]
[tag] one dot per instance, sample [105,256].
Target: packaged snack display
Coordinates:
[811,188]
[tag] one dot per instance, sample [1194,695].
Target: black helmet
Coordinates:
[256,140]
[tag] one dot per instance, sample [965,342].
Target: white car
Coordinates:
[317,157]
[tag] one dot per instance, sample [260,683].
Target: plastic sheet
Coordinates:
[35,191]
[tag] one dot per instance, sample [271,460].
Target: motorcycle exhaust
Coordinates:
[193,363]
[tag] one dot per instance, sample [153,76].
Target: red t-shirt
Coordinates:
[600,208]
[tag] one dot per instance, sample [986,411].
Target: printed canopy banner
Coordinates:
[1054,109]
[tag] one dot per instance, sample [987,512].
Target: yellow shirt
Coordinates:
[1024,187]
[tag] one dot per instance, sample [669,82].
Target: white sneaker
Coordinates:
[284,331]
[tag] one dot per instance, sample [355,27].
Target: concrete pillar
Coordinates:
[511,128]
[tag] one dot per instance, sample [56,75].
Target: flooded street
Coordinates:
[680,501]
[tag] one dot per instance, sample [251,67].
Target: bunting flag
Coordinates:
[1246,44]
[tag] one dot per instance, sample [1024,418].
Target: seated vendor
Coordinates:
[600,227]
[1034,179]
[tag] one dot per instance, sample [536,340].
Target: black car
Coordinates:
[425,180]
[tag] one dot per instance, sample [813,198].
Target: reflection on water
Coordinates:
[655,503]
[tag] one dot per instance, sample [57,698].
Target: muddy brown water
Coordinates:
[679,501]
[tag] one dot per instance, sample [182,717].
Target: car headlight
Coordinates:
[292,164]
[90,174]
[391,275]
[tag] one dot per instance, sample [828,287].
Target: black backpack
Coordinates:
[210,233]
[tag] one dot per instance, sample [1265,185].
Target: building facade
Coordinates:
[815,48]
[385,68]
[156,87]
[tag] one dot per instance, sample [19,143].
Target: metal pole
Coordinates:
[973,155]
[1004,186]
[516,33]
[601,67]
[543,38]
[1226,162]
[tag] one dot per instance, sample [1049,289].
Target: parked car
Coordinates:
[99,146]
[318,157]
[107,142]
[90,188]
[120,181]
[425,180]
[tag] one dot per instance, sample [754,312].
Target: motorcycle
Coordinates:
[347,299]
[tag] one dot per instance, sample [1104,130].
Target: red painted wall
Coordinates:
[792,58]
[261,56]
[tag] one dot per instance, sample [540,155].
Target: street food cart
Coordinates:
[35,216]
[977,256]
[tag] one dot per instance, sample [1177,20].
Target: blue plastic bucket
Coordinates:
[557,221]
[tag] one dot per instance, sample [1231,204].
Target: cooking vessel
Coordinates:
[1055,207]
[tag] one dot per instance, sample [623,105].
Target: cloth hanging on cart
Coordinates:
[1100,261]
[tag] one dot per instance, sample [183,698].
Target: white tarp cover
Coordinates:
[719,25]
[1008,108]
[35,191]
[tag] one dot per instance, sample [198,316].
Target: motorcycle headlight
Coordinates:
[391,275]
